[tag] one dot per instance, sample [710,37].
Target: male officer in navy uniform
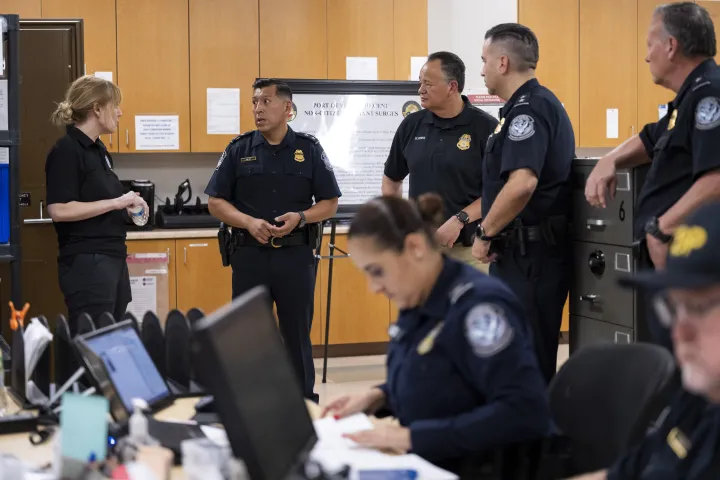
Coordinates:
[264,187]
[441,149]
[686,297]
[526,187]
[684,146]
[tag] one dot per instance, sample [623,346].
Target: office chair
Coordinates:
[194,314]
[177,352]
[131,317]
[85,324]
[41,376]
[604,399]
[65,360]
[105,320]
[153,338]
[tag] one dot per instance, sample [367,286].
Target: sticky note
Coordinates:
[612,123]
[84,426]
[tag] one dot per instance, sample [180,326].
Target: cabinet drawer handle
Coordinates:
[198,245]
[619,335]
[595,223]
[168,255]
[127,137]
[592,298]
[185,255]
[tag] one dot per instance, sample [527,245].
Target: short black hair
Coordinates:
[281,88]
[692,26]
[452,66]
[521,42]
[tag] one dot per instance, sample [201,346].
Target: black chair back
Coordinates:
[177,349]
[605,398]
[65,358]
[153,338]
[85,324]
[105,320]
[131,317]
[194,314]
[41,376]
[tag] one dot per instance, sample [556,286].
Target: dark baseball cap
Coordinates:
[693,259]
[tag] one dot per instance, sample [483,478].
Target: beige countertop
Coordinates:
[171,233]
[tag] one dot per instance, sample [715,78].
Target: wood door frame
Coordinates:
[76,27]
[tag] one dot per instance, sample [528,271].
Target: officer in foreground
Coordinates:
[684,146]
[264,186]
[686,299]
[441,149]
[526,187]
[462,377]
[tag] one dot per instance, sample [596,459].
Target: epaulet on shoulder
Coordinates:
[524,99]
[700,82]
[308,136]
[238,138]
[459,290]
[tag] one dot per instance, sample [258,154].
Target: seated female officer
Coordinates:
[462,378]
[85,201]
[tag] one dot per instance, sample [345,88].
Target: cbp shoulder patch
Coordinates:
[326,161]
[487,330]
[521,128]
[707,113]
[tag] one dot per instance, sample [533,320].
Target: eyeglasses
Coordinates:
[669,310]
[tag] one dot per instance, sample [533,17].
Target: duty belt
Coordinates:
[517,234]
[294,239]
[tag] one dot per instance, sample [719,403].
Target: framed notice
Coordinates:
[355,122]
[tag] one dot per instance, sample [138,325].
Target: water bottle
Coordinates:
[139,215]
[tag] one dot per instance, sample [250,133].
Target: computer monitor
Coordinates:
[123,369]
[242,361]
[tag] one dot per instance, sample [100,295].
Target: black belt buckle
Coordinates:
[273,243]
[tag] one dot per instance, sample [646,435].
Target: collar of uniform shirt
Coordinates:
[259,139]
[702,68]
[524,88]
[80,136]
[463,118]
[435,305]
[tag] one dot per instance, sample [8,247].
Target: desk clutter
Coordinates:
[99,406]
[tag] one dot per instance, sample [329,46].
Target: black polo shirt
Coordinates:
[80,170]
[683,145]
[266,181]
[534,133]
[442,155]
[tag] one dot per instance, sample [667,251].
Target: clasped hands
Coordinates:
[263,231]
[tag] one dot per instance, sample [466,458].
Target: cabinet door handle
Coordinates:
[192,245]
[111,139]
[185,255]
[632,129]
[168,255]
[127,137]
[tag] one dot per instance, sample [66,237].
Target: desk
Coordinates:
[182,409]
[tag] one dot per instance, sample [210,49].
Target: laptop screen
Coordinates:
[242,360]
[128,365]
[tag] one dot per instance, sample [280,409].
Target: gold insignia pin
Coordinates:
[499,126]
[464,142]
[429,341]
[686,239]
[299,156]
[673,119]
[678,442]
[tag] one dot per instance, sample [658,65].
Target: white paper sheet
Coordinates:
[157,132]
[223,111]
[416,64]
[330,431]
[3,104]
[144,296]
[361,68]
[4,155]
[662,111]
[612,123]
[106,75]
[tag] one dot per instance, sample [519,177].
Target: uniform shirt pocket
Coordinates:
[248,169]
[298,169]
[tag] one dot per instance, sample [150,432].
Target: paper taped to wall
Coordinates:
[106,75]
[612,123]
[361,68]
[223,111]
[157,132]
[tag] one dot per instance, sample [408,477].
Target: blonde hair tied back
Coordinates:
[81,98]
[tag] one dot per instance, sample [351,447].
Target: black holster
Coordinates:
[225,243]
[315,233]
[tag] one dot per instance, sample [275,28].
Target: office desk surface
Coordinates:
[183,409]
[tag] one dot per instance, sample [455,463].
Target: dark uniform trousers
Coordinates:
[649,329]
[541,280]
[289,274]
[94,283]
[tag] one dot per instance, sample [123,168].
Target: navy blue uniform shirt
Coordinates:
[266,181]
[534,133]
[462,373]
[442,155]
[685,446]
[683,146]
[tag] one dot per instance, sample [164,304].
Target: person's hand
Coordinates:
[601,183]
[126,201]
[449,232]
[368,402]
[260,230]
[384,437]
[658,251]
[290,221]
[481,251]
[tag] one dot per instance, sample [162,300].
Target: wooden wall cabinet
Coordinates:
[202,281]
[410,34]
[713,8]
[222,55]
[24,8]
[153,65]
[100,38]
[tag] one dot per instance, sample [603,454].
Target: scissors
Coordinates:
[17,318]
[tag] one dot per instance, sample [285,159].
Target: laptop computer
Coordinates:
[122,370]
[241,359]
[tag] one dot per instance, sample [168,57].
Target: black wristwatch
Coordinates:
[303,220]
[480,234]
[652,228]
[463,217]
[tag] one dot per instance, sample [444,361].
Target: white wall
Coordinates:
[459,26]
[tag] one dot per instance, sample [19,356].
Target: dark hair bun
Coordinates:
[431,209]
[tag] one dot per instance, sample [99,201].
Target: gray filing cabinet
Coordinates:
[600,310]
